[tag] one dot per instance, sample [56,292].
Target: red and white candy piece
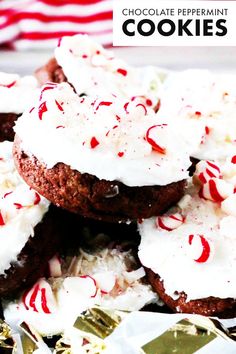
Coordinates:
[40,298]
[216,190]
[156,136]
[205,170]
[170,222]
[200,249]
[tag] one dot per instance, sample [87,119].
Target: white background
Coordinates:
[119,38]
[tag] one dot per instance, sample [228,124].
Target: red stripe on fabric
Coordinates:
[14,19]
[70,18]
[7,12]
[52,35]
[100,16]
[69,2]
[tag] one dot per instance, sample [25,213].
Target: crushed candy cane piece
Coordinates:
[103,103]
[233,160]
[48,86]
[11,84]
[2,223]
[120,154]
[37,198]
[170,222]
[152,137]
[94,142]
[126,107]
[142,106]
[200,248]
[148,102]
[18,205]
[122,71]
[42,109]
[59,106]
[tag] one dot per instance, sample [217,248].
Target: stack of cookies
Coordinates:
[108,142]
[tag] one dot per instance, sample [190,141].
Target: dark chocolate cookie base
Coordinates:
[210,306]
[86,195]
[7,121]
[33,259]
[50,72]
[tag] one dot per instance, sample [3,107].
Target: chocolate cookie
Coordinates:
[189,253]
[16,94]
[210,306]
[7,121]
[31,231]
[87,195]
[50,72]
[92,70]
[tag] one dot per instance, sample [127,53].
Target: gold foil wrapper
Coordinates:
[7,344]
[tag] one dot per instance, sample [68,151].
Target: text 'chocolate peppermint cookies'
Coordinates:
[15,96]
[190,252]
[108,158]
[28,232]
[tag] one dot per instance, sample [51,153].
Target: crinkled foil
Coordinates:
[100,331]
[98,322]
[7,344]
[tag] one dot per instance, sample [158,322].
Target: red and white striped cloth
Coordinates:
[37,24]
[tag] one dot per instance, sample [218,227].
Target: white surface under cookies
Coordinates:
[214,58]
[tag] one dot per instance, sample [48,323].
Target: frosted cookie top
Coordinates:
[196,240]
[205,104]
[109,278]
[16,93]
[93,70]
[110,138]
[21,209]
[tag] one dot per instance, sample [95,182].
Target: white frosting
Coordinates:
[205,105]
[107,278]
[200,265]
[104,137]
[21,209]
[91,69]
[16,93]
